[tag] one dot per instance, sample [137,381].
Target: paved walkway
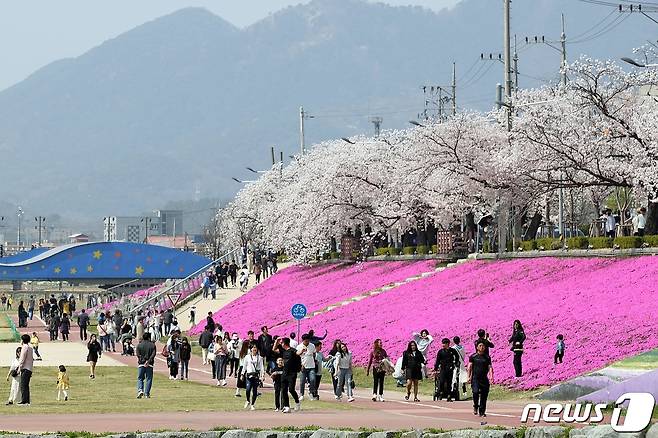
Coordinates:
[71,353]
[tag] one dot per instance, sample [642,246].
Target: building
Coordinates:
[140,228]
[78,238]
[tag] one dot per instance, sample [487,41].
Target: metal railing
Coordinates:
[180,284]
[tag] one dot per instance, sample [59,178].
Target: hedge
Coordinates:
[622,242]
[409,250]
[422,249]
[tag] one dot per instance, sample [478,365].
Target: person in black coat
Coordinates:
[95,351]
[447,359]
[516,345]
[412,365]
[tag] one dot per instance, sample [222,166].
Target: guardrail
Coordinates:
[181,284]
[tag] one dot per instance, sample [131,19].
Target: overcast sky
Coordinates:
[36,32]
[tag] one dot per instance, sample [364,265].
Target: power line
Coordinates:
[616,22]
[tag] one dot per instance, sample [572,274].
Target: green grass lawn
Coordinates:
[644,361]
[426,387]
[114,390]
[7,332]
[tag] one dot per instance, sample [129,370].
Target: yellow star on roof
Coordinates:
[73,271]
[57,270]
[139,270]
[98,255]
[90,268]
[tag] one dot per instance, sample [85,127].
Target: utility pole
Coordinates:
[563,44]
[302,116]
[301,131]
[516,68]
[454,89]
[273,160]
[377,122]
[507,60]
[39,220]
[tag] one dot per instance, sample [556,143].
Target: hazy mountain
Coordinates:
[189,100]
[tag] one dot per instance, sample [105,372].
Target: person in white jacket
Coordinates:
[15,376]
[423,342]
[253,371]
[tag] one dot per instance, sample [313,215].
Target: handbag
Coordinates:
[14,372]
[211,356]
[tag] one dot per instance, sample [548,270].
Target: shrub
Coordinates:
[435,249]
[628,242]
[422,249]
[383,251]
[549,243]
[578,242]
[408,250]
[528,245]
[281,258]
[651,240]
[334,255]
[601,242]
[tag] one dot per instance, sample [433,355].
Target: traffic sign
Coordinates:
[298,311]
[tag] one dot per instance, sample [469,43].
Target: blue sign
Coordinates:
[298,311]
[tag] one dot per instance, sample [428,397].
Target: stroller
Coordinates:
[456,387]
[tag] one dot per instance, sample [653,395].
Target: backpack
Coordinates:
[165,351]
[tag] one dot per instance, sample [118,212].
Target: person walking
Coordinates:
[31,304]
[15,375]
[94,353]
[253,371]
[221,356]
[83,323]
[319,361]
[233,272]
[343,367]
[22,315]
[257,270]
[205,339]
[516,345]
[447,360]
[377,356]
[173,347]
[265,344]
[25,364]
[185,356]
[306,352]
[65,327]
[168,319]
[240,381]
[145,352]
[480,376]
[639,222]
[34,341]
[559,350]
[276,374]
[234,346]
[412,366]
[291,366]
[63,384]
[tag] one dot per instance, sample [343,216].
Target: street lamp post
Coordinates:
[18,238]
[39,220]
[638,64]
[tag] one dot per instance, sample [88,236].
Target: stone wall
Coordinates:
[530,432]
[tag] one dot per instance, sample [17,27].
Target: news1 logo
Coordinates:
[637,418]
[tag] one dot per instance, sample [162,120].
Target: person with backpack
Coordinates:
[205,339]
[291,366]
[234,346]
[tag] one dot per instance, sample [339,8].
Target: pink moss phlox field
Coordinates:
[605,308]
[269,303]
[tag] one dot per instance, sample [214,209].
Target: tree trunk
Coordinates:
[531,232]
[469,227]
[652,218]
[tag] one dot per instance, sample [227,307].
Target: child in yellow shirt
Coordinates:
[63,384]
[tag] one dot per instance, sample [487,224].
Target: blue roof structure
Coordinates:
[102,261]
